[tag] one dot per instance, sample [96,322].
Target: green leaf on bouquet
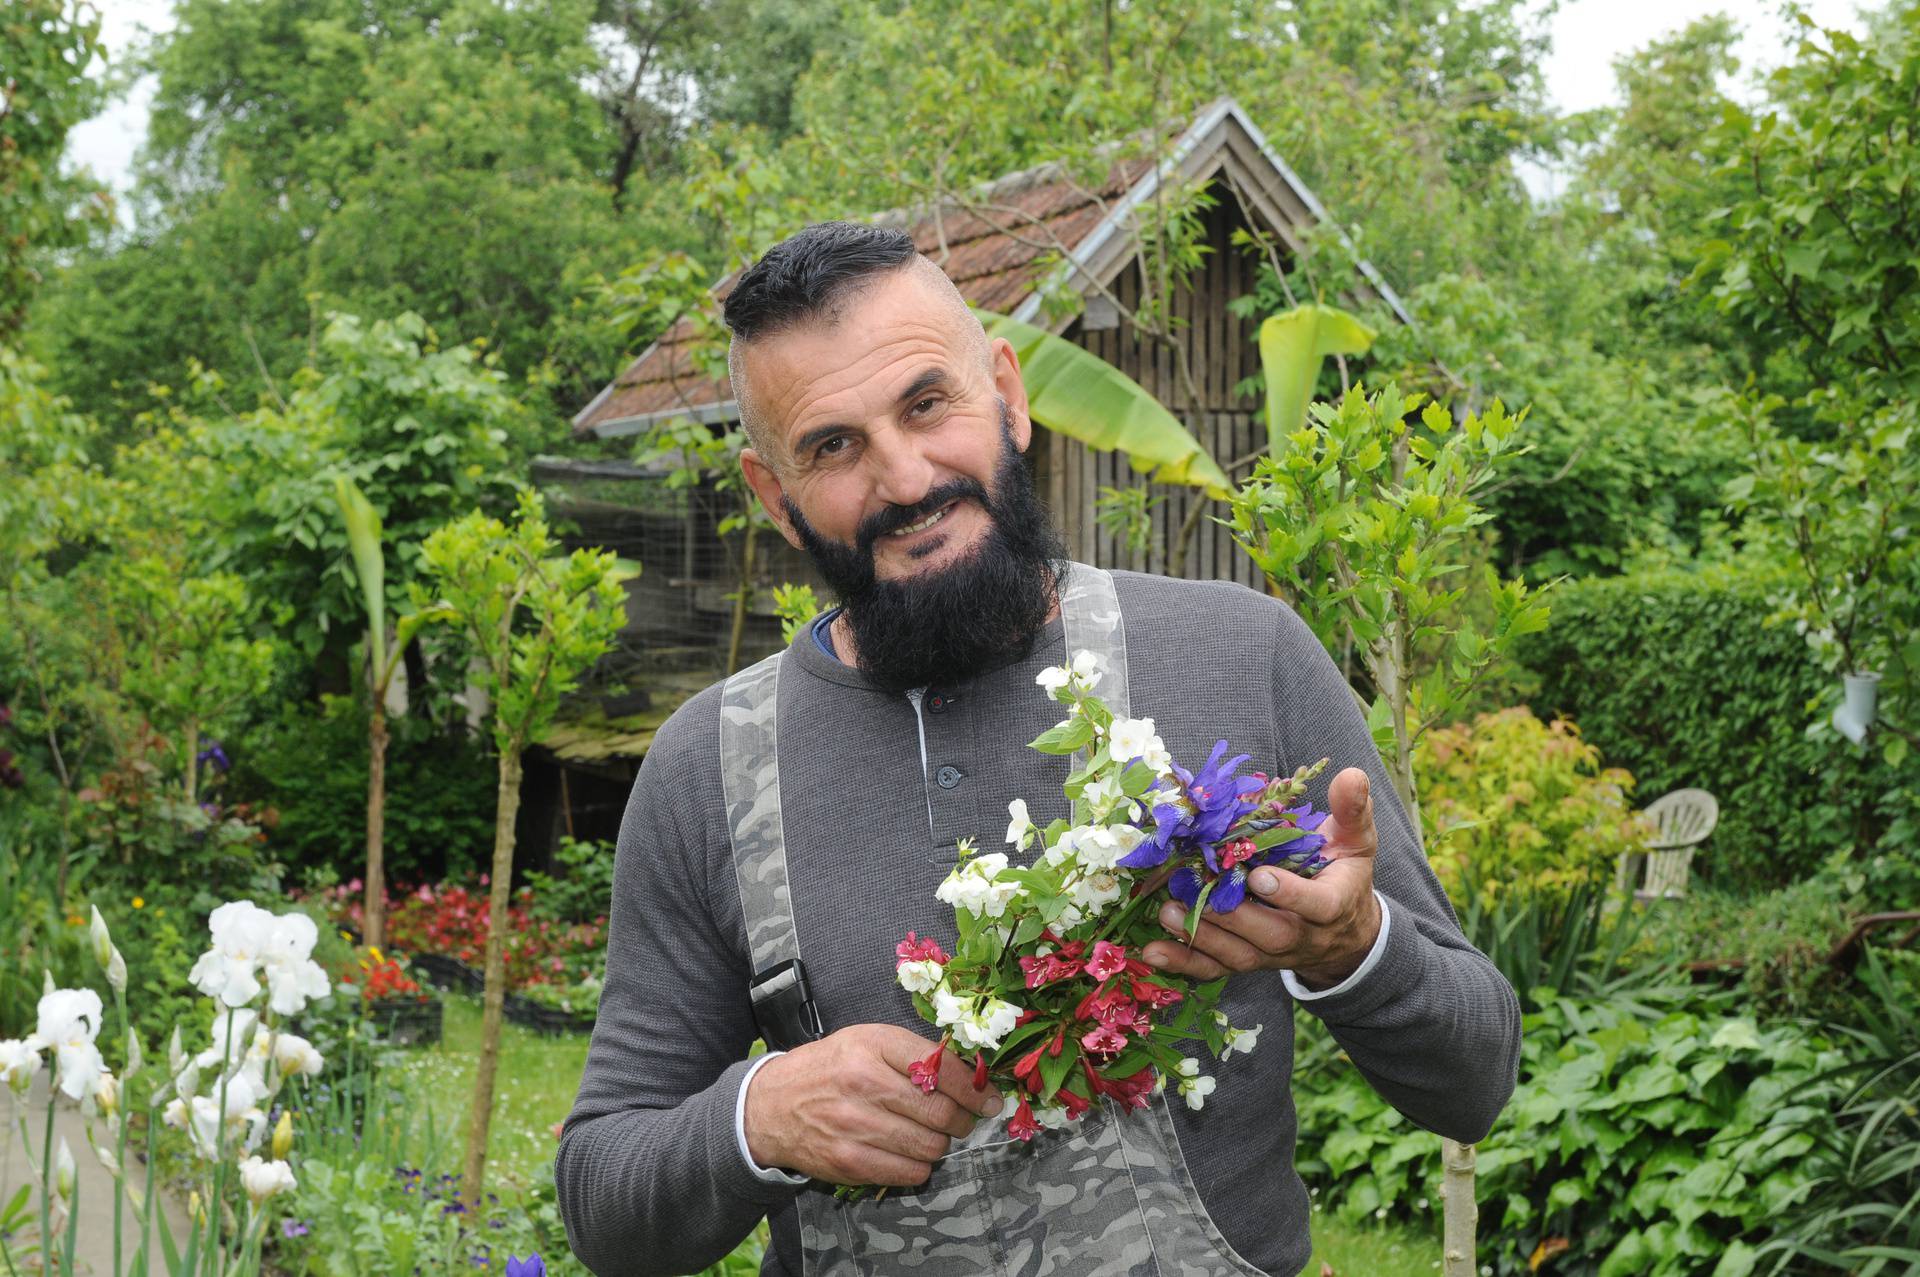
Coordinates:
[923,1007]
[1054,1068]
[1028,931]
[1127,1063]
[1197,912]
[1137,780]
[1015,1043]
[1064,738]
[1054,830]
[1096,710]
[1274,837]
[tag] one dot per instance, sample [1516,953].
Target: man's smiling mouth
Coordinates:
[925,523]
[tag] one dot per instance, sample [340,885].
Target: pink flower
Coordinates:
[1155,995]
[1104,1041]
[915,950]
[1108,960]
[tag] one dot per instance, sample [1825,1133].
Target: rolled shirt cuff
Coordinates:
[1300,991]
[766,1174]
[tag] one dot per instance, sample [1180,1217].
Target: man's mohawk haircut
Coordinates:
[805,276]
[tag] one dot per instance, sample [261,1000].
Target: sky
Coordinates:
[1587,36]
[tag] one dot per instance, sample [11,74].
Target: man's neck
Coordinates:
[849,652]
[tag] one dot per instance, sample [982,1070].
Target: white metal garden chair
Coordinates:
[1683,819]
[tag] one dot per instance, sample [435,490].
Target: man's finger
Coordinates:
[937,1112]
[1322,900]
[1224,947]
[1350,800]
[1272,931]
[956,1083]
[1174,957]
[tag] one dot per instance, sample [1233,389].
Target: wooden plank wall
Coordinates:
[1223,352]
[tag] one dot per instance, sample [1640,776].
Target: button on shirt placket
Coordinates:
[952,793]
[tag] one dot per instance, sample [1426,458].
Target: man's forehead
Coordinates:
[860,360]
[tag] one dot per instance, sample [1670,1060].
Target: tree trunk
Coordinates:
[1462,1215]
[193,763]
[480,1116]
[374,921]
[740,599]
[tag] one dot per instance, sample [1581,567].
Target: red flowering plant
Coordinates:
[1045,991]
[378,978]
[451,919]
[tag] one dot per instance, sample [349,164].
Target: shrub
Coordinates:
[1780,940]
[1511,801]
[1678,677]
[313,769]
[1652,1134]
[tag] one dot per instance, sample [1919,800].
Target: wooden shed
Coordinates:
[996,250]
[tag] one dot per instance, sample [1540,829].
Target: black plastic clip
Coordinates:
[783,1006]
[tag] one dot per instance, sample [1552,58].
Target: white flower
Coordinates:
[972,886]
[175,1114]
[1241,1040]
[1103,795]
[1051,1116]
[243,1116]
[981,1028]
[294,1054]
[242,932]
[921,976]
[1131,738]
[1086,668]
[63,1171]
[1197,1092]
[106,1092]
[69,1020]
[232,1037]
[1053,678]
[263,1179]
[1020,830]
[947,1009]
[18,1064]
[293,977]
[1095,891]
[1101,847]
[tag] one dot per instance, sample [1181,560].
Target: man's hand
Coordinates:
[1320,928]
[843,1109]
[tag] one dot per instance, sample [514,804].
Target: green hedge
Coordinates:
[1677,677]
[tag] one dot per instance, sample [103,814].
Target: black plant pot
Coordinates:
[408,1021]
[447,973]
[529,1014]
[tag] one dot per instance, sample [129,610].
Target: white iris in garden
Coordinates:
[69,1020]
[18,1064]
[263,1179]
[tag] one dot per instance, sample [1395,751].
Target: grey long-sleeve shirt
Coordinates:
[651,1178]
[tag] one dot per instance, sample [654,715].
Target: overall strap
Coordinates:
[750,782]
[1090,613]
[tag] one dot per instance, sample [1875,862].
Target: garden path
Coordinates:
[93,1245]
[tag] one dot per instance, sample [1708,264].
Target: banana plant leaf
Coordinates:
[1080,395]
[1293,345]
[369,564]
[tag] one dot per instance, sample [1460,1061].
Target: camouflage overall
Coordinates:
[1107,1196]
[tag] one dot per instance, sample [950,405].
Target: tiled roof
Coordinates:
[995,264]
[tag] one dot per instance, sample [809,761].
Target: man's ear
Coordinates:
[1006,380]
[766,486]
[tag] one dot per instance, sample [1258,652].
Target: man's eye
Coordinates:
[926,403]
[831,446]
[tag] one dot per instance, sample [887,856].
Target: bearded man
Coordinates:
[789,825]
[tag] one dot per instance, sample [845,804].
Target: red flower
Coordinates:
[915,950]
[1021,1125]
[1075,1103]
[1028,1069]
[925,1074]
[1108,960]
[1155,995]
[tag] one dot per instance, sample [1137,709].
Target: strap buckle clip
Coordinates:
[783,1006]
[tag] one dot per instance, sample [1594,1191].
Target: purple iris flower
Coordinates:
[1302,854]
[1215,799]
[215,755]
[531,1266]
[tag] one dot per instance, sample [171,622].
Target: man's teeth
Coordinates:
[924,524]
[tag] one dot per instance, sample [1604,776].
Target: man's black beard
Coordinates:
[982,612]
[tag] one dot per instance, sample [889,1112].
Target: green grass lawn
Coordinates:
[539,1075]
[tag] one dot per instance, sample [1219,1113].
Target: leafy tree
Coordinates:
[45,47]
[536,623]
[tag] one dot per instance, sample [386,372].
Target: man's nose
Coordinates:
[902,474]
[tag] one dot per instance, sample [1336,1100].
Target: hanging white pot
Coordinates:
[1859,705]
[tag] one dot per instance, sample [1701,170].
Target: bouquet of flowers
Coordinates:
[1044,989]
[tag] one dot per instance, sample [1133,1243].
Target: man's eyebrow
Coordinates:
[931,379]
